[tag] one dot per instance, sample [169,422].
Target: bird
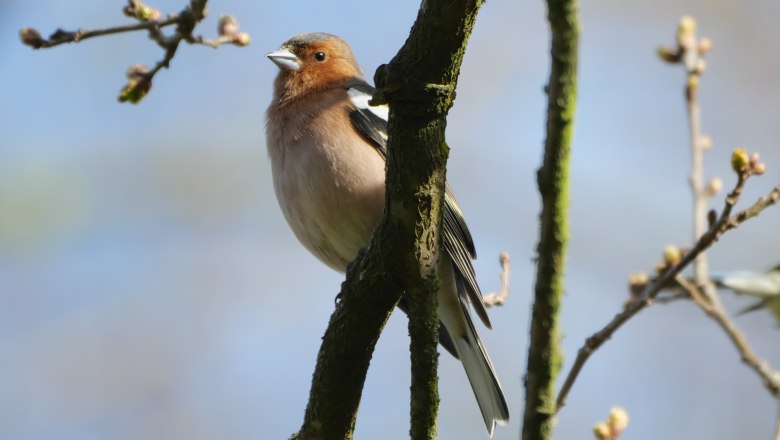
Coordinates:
[764,286]
[327,148]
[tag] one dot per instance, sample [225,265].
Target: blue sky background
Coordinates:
[150,289]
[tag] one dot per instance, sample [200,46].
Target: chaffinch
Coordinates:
[327,147]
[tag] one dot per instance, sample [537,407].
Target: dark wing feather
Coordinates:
[368,121]
[371,122]
[458,243]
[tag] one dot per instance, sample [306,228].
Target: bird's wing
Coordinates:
[371,122]
[760,285]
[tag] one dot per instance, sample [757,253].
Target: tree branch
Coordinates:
[544,357]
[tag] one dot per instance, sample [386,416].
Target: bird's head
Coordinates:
[312,62]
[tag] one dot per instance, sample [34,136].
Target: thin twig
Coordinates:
[770,377]
[764,202]
[170,52]
[697,171]
[688,45]
[216,42]
[61,36]
[498,298]
[719,227]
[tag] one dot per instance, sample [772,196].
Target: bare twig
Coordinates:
[688,46]
[139,77]
[498,298]
[61,36]
[665,279]
[613,427]
[762,203]
[770,377]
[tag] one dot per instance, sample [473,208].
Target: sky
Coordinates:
[150,288]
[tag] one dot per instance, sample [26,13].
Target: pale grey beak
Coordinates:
[284,59]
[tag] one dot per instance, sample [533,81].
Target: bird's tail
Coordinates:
[481,374]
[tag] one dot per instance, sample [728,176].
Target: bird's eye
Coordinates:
[319,56]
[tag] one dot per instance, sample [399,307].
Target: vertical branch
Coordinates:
[688,45]
[697,173]
[419,85]
[424,340]
[420,267]
[544,358]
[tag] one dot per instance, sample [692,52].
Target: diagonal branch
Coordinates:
[724,222]
[770,377]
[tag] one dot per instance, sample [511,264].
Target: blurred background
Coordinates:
[150,289]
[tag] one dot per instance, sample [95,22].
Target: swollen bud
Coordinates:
[227,26]
[638,278]
[30,37]
[687,25]
[739,160]
[669,54]
[700,66]
[136,71]
[755,166]
[145,12]
[686,32]
[705,142]
[636,285]
[618,420]
[705,45]
[601,431]
[714,186]
[241,39]
[672,255]
[755,159]
[135,90]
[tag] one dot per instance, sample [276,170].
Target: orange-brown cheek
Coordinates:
[328,72]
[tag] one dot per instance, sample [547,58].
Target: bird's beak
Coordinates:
[285,59]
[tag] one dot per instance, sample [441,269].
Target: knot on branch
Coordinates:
[421,98]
